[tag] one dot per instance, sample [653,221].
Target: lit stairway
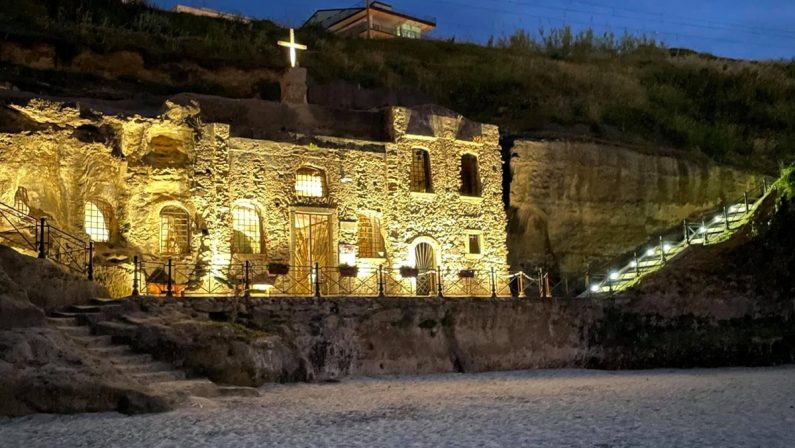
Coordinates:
[654,256]
[141,368]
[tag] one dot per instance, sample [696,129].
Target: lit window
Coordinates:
[174,231]
[370,239]
[21,200]
[310,183]
[95,223]
[473,244]
[246,234]
[470,176]
[421,171]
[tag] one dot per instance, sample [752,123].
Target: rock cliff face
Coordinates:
[572,204]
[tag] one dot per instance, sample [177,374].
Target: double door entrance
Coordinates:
[312,246]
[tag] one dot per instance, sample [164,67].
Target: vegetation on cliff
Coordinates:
[625,89]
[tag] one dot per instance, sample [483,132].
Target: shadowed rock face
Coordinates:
[573,204]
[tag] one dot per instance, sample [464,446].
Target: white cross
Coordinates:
[292,45]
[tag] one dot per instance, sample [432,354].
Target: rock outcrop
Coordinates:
[575,204]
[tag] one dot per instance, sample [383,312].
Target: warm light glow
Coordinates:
[310,183]
[650,252]
[667,247]
[633,263]
[246,237]
[95,224]
[702,230]
[595,288]
[293,46]
[614,276]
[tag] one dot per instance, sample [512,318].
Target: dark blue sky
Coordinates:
[755,29]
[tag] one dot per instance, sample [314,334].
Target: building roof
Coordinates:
[330,17]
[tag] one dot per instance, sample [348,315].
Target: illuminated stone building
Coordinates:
[208,181]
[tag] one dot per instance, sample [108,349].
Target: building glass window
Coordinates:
[473,244]
[421,171]
[246,230]
[21,200]
[310,183]
[95,223]
[370,239]
[174,231]
[470,176]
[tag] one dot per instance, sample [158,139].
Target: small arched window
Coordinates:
[95,223]
[174,231]
[21,200]
[421,171]
[470,176]
[246,230]
[310,183]
[370,239]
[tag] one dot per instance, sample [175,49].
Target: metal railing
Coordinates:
[703,229]
[21,230]
[168,278]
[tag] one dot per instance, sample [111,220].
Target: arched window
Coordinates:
[246,230]
[95,223]
[21,200]
[421,171]
[174,231]
[310,183]
[470,176]
[370,239]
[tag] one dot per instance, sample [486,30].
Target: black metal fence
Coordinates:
[21,230]
[170,278]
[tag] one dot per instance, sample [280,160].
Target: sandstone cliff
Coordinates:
[573,204]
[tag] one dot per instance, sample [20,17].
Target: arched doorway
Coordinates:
[425,260]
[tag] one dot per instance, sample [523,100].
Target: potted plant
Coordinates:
[466,273]
[276,268]
[347,270]
[409,271]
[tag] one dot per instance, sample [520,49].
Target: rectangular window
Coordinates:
[474,244]
[310,183]
[470,176]
[421,171]
[370,239]
[246,238]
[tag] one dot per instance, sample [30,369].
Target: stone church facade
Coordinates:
[212,181]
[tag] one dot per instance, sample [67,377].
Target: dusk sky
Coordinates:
[760,29]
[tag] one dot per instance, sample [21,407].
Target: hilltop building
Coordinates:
[378,21]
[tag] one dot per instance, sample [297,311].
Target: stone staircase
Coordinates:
[139,367]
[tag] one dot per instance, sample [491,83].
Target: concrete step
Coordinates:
[105,302]
[129,359]
[238,391]
[94,341]
[76,331]
[146,367]
[63,321]
[195,387]
[110,351]
[69,314]
[159,377]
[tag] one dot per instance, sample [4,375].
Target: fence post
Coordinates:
[662,250]
[493,284]
[745,198]
[706,231]
[381,280]
[726,217]
[42,246]
[521,285]
[588,282]
[169,286]
[609,284]
[687,234]
[637,264]
[317,279]
[540,283]
[247,284]
[135,291]
[90,268]
[439,284]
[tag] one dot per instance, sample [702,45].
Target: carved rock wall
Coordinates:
[572,204]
